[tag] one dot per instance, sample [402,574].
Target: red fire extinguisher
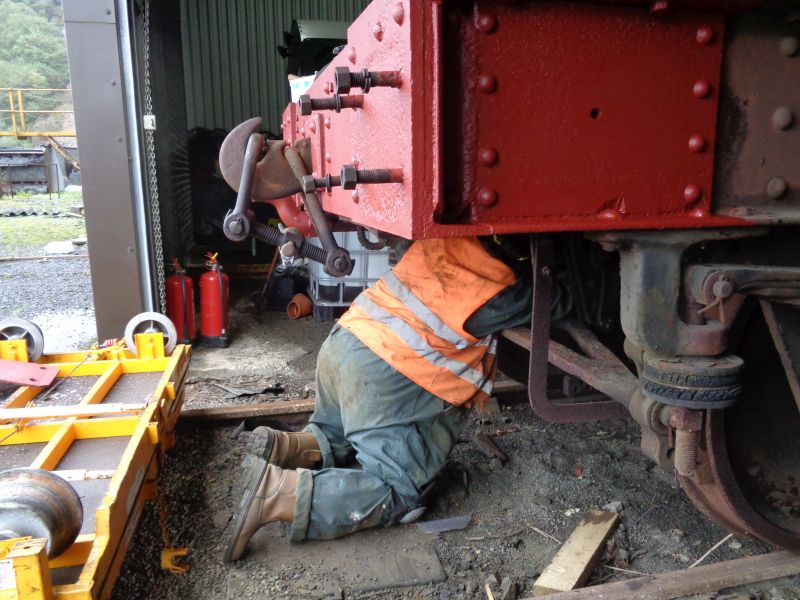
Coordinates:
[180,303]
[214,305]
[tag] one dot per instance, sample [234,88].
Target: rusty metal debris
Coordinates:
[489,448]
[442,525]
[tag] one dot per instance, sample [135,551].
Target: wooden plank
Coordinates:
[61,412]
[575,561]
[700,580]
[509,387]
[242,411]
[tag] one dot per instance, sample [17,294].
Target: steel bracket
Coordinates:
[600,369]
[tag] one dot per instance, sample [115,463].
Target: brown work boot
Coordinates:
[269,496]
[288,450]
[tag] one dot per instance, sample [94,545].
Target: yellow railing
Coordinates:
[16,108]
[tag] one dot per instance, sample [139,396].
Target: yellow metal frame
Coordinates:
[16,108]
[133,482]
[23,570]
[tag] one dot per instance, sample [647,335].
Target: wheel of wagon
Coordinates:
[751,456]
[151,322]
[20,329]
[39,504]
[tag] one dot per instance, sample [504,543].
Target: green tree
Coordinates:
[33,54]
[31,46]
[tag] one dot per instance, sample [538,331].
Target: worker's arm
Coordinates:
[512,308]
[509,308]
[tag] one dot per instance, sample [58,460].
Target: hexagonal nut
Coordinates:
[304,104]
[339,263]
[342,80]
[236,227]
[685,419]
[349,177]
[307,184]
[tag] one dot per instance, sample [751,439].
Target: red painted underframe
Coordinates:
[591,112]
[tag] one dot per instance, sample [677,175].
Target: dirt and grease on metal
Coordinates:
[519,510]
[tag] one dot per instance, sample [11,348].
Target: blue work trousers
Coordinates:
[367,413]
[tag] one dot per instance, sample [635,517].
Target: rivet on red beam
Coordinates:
[312,127]
[692,193]
[697,143]
[377,31]
[705,35]
[701,89]
[487,23]
[487,156]
[351,54]
[398,13]
[782,118]
[487,197]
[487,83]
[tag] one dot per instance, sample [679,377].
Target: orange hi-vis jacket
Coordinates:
[413,318]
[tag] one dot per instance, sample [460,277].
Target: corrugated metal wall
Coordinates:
[232,67]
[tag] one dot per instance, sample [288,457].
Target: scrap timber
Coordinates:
[699,580]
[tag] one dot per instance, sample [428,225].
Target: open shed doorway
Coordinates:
[44,267]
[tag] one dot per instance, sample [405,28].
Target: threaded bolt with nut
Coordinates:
[308,105]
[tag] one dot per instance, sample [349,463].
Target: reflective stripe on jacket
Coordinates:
[414,317]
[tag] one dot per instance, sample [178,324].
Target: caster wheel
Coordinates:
[151,322]
[20,329]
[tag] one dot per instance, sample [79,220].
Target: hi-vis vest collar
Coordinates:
[414,317]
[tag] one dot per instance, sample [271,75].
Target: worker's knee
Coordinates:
[409,508]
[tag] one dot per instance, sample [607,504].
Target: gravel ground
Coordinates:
[555,472]
[55,293]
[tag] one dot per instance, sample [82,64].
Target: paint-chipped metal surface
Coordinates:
[758,173]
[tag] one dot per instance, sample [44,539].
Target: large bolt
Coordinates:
[307,104]
[310,184]
[687,424]
[344,79]
[236,227]
[350,176]
[722,288]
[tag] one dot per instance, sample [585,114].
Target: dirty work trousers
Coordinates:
[366,412]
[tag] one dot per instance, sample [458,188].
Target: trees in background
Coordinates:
[33,54]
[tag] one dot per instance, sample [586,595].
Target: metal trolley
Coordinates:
[102,427]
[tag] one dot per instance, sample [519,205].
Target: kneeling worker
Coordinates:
[395,378]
